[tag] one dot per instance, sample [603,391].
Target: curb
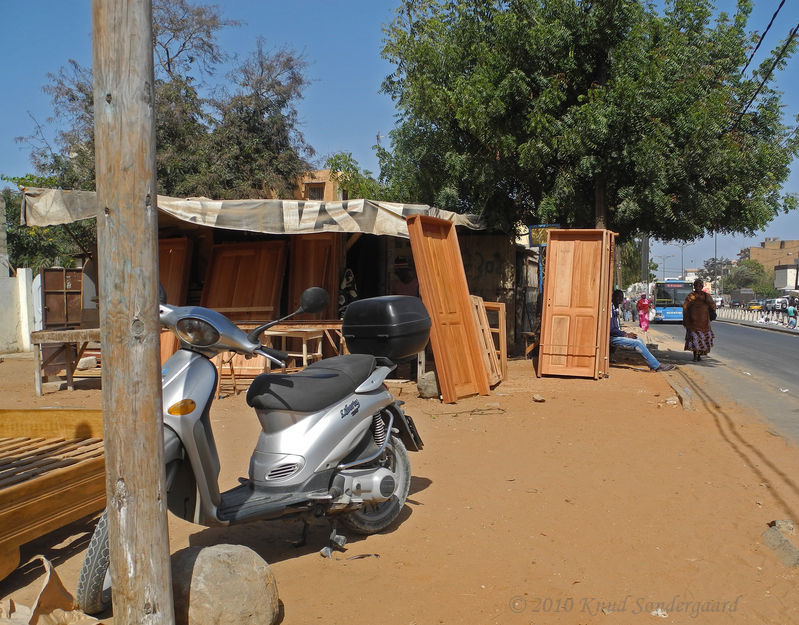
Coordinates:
[683,393]
[762,326]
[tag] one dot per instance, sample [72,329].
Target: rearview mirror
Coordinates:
[314,299]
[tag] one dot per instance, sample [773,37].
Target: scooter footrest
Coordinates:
[244,503]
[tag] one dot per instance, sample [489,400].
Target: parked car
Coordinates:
[755,305]
[771,304]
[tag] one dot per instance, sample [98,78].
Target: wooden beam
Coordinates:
[127,227]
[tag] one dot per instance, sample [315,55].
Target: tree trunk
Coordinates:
[600,203]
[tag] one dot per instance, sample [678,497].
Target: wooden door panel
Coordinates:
[174,261]
[245,280]
[444,290]
[315,261]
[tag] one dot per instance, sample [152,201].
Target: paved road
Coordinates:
[755,367]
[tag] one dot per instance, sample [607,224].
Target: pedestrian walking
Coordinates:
[697,312]
[644,308]
[791,316]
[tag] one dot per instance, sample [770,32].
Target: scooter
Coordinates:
[333,440]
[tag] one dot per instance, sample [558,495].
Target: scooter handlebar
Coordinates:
[275,355]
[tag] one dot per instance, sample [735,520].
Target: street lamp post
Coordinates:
[663,258]
[682,247]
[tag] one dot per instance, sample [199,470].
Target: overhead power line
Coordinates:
[760,40]
[766,75]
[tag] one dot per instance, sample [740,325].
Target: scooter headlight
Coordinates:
[196,332]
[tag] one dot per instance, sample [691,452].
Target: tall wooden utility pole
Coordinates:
[127,228]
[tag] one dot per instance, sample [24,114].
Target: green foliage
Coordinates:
[243,142]
[752,275]
[39,247]
[629,254]
[354,182]
[255,148]
[544,111]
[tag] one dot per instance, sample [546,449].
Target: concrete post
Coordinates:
[25,308]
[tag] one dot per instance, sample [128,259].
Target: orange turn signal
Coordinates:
[184,406]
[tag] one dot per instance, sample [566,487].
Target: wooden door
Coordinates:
[315,261]
[575,315]
[245,280]
[445,293]
[174,261]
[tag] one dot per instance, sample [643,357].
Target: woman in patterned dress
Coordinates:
[696,319]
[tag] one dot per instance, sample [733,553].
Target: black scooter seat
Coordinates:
[319,385]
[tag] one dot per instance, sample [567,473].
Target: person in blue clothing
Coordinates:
[629,339]
[791,316]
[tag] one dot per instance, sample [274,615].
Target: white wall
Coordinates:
[16,312]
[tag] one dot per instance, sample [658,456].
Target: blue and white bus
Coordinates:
[669,298]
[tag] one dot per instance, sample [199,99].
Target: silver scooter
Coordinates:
[333,440]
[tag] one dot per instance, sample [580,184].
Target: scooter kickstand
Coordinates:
[304,537]
[337,542]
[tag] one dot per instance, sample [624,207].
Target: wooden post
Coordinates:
[128,241]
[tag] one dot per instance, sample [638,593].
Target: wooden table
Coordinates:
[311,333]
[306,336]
[70,346]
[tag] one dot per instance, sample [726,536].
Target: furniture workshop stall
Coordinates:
[575,320]
[245,279]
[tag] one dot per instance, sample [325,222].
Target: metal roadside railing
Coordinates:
[777,320]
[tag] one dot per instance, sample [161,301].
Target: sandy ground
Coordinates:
[598,505]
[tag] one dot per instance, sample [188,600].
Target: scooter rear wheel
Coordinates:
[94,584]
[374,518]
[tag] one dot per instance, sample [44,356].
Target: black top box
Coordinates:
[392,326]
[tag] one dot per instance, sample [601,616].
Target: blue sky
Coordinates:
[342,109]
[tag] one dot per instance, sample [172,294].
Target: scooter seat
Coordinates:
[317,386]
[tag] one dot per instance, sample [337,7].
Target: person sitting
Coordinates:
[619,337]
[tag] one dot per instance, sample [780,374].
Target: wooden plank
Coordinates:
[489,352]
[127,227]
[174,261]
[168,344]
[501,334]
[245,276]
[51,423]
[78,335]
[445,293]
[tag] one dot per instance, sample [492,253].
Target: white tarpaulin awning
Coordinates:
[48,207]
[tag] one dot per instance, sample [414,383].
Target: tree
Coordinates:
[717,270]
[256,148]
[354,182]
[747,274]
[579,113]
[240,144]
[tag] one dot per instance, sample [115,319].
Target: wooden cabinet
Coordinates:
[575,320]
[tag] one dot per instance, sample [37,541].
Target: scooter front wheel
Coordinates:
[94,584]
[374,518]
